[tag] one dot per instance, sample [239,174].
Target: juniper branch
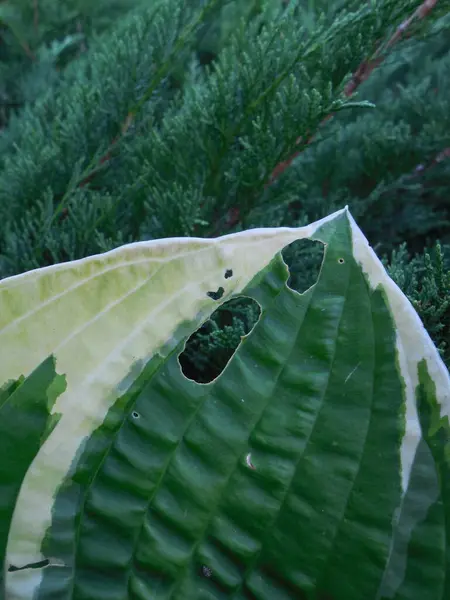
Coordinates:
[164,69]
[362,74]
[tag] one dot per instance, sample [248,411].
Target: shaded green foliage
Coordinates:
[425,279]
[39,38]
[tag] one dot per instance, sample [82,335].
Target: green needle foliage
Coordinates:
[39,38]
[167,118]
[425,279]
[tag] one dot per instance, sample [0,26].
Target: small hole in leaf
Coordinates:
[216,295]
[135,415]
[228,273]
[304,260]
[210,348]
[341,261]
[206,571]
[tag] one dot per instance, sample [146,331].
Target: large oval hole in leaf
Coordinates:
[304,260]
[210,348]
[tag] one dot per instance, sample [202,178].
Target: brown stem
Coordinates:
[362,73]
[161,72]
[107,155]
[443,155]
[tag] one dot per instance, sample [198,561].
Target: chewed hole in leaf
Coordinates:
[216,295]
[341,261]
[304,259]
[210,348]
[135,415]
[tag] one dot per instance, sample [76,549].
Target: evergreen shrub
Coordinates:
[175,118]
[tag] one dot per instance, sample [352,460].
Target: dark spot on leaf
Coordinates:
[216,295]
[37,565]
[228,273]
[135,415]
[341,261]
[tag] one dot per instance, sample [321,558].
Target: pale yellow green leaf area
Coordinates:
[103,315]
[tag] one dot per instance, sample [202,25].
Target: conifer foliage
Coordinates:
[198,118]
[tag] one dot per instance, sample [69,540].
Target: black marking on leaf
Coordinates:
[228,273]
[37,565]
[216,295]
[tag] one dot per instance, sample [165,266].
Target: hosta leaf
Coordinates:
[25,423]
[424,524]
[298,473]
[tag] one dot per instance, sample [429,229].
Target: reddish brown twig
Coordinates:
[162,71]
[443,155]
[107,155]
[361,74]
